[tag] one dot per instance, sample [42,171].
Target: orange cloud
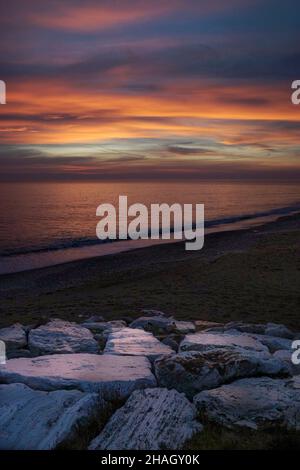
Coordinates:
[66,114]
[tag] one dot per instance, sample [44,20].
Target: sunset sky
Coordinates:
[149,89]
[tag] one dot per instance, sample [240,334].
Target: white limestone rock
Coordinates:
[61,337]
[14,337]
[256,403]
[135,342]
[35,420]
[151,419]
[115,377]
[203,341]
[193,371]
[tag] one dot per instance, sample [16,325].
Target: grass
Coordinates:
[259,284]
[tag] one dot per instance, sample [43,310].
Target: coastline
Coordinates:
[238,275]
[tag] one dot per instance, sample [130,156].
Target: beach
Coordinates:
[249,275]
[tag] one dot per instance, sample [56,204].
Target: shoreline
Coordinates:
[236,275]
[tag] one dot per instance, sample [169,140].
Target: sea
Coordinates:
[48,223]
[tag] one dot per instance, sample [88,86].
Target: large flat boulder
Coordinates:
[112,376]
[14,337]
[193,371]
[204,341]
[256,403]
[35,420]
[135,342]
[151,419]
[61,337]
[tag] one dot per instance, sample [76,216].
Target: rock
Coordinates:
[274,329]
[203,324]
[102,337]
[35,420]
[256,403]
[286,356]
[203,341]
[61,337]
[14,337]
[194,371]
[255,328]
[115,377]
[101,327]
[184,327]
[135,342]
[152,419]
[270,329]
[274,343]
[156,325]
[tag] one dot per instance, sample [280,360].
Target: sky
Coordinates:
[134,89]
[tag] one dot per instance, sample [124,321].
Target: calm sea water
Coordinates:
[46,223]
